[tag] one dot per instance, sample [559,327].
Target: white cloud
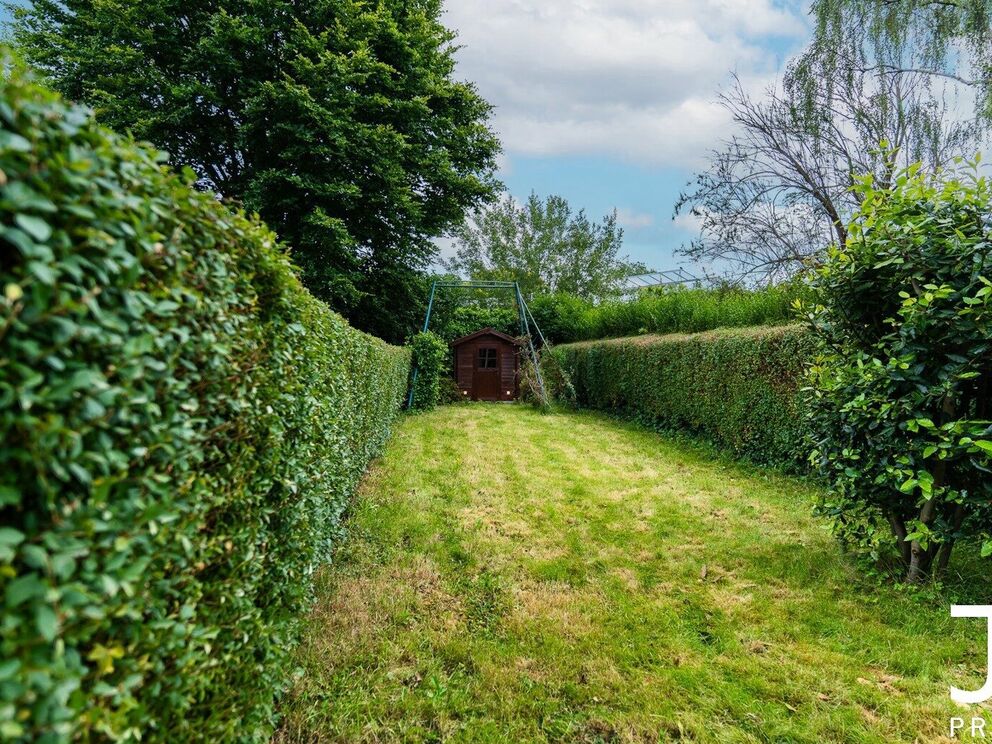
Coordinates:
[446,248]
[503,165]
[688,221]
[629,78]
[631,220]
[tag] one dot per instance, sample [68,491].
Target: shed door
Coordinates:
[485,381]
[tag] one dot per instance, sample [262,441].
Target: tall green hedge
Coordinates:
[181,425]
[739,388]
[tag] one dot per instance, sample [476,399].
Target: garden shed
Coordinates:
[487,364]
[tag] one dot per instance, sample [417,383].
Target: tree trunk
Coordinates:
[899,530]
[947,547]
[944,559]
[921,558]
[919,565]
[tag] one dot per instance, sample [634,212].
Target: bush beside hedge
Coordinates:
[181,425]
[431,360]
[739,388]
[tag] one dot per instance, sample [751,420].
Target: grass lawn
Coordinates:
[517,577]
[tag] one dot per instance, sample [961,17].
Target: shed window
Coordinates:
[487,358]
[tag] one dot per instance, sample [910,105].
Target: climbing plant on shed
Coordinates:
[900,389]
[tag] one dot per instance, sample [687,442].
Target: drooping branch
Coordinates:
[780,190]
[941,40]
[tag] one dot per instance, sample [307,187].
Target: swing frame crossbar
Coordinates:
[524,316]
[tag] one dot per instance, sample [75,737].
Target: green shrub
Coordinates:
[181,427]
[431,360]
[566,319]
[738,388]
[449,391]
[558,387]
[456,315]
[903,316]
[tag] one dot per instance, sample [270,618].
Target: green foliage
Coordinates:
[449,391]
[455,316]
[181,424]
[466,319]
[565,318]
[339,121]
[431,359]
[738,388]
[944,41]
[558,388]
[543,246]
[690,310]
[901,388]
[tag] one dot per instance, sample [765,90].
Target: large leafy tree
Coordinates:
[545,246]
[339,121]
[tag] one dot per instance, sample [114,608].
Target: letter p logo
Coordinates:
[978,696]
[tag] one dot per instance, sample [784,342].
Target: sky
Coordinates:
[612,104]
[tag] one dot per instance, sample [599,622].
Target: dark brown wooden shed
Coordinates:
[487,363]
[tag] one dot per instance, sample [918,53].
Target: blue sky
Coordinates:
[612,103]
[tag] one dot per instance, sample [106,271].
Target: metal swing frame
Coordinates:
[525,318]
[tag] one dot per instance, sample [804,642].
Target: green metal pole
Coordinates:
[530,344]
[430,306]
[427,320]
[522,317]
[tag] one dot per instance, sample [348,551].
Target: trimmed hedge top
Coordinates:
[738,387]
[649,339]
[181,425]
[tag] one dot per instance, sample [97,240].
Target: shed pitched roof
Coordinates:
[487,332]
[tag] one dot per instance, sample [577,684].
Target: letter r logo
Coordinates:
[978,696]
